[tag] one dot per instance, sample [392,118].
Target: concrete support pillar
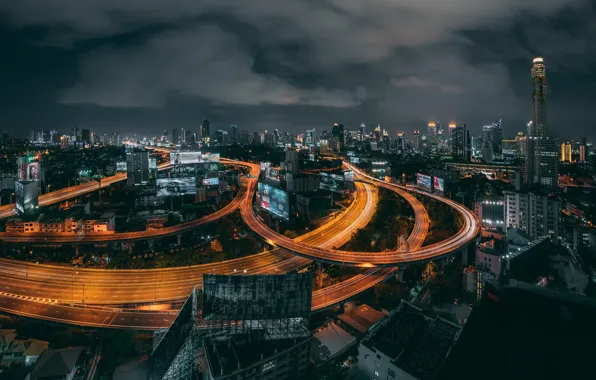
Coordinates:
[319,274]
[151,243]
[129,246]
[77,249]
[179,236]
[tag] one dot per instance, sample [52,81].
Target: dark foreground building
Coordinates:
[524,331]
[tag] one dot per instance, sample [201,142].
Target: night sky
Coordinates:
[137,66]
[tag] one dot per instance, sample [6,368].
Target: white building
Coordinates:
[535,214]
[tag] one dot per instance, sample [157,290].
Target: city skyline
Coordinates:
[93,74]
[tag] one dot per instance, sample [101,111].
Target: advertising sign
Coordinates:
[181,158]
[265,166]
[439,184]
[167,187]
[33,171]
[423,180]
[210,157]
[121,166]
[22,164]
[211,181]
[349,176]
[331,182]
[152,163]
[273,174]
[273,200]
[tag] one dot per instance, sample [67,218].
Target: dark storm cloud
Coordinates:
[310,62]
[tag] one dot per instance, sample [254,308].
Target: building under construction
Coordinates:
[250,327]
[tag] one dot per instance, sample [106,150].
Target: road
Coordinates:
[467,233]
[71,192]
[49,292]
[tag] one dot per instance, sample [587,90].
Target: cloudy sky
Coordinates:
[147,65]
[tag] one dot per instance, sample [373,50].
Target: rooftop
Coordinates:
[362,317]
[329,341]
[416,343]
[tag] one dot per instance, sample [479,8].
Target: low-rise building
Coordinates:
[360,319]
[20,351]
[406,345]
[67,364]
[329,342]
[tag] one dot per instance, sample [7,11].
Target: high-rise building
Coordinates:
[205,131]
[535,214]
[137,168]
[566,152]
[311,137]
[450,130]
[175,136]
[339,137]
[583,149]
[541,149]
[234,133]
[401,142]
[461,143]
[539,97]
[417,141]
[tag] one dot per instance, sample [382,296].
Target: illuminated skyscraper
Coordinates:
[417,141]
[566,152]
[541,149]
[539,98]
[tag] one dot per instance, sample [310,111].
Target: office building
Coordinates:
[401,142]
[26,194]
[490,211]
[493,134]
[538,72]
[311,137]
[205,129]
[566,152]
[535,214]
[137,167]
[339,137]
[583,150]
[406,345]
[461,143]
[417,141]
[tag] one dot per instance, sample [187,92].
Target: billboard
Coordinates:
[167,187]
[265,166]
[121,166]
[423,180]
[211,182]
[26,193]
[331,182]
[33,171]
[349,176]
[152,164]
[273,200]
[439,184]
[181,158]
[232,298]
[273,174]
[210,157]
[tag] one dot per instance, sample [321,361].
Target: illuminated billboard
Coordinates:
[26,193]
[265,166]
[331,182]
[33,171]
[423,180]
[211,182]
[273,174]
[182,158]
[349,176]
[167,187]
[121,166]
[273,200]
[439,184]
[152,163]
[210,157]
